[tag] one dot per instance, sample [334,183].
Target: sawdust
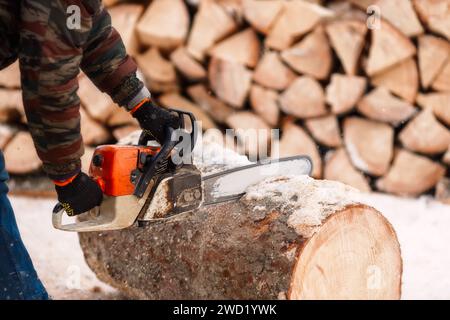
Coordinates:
[295,194]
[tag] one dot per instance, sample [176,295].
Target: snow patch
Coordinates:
[309,202]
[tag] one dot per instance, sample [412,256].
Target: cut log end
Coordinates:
[320,273]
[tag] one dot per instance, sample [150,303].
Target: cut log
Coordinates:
[7,132]
[156,69]
[11,105]
[402,16]
[347,38]
[311,56]
[433,53]
[439,103]
[124,19]
[110,3]
[265,104]
[10,76]
[344,92]
[442,82]
[287,238]
[93,132]
[362,4]
[424,134]
[216,109]
[230,81]
[345,11]
[446,158]
[295,141]
[411,175]
[389,47]
[338,167]
[369,144]
[252,132]
[261,15]
[211,23]
[187,65]
[401,79]
[325,130]
[86,158]
[243,47]
[304,99]
[435,14]
[164,24]
[443,191]
[381,105]
[296,19]
[20,155]
[98,104]
[174,100]
[272,73]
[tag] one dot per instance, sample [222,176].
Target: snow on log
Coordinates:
[287,238]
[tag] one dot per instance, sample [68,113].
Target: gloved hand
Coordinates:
[155,119]
[79,195]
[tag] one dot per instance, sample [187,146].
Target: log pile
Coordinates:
[368,99]
[287,238]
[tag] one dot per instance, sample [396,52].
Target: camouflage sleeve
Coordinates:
[106,62]
[51,55]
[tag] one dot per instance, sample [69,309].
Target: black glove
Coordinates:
[80,195]
[155,120]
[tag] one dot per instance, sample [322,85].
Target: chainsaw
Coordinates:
[141,184]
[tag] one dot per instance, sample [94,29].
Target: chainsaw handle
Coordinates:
[146,137]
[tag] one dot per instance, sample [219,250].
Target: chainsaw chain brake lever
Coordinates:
[160,160]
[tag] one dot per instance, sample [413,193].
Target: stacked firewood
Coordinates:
[367,97]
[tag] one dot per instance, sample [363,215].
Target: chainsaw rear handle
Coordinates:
[160,160]
[145,137]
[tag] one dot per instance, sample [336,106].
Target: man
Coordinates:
[51,52]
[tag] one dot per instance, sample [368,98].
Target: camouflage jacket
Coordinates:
[53,39]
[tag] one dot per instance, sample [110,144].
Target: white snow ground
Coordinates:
[422,226]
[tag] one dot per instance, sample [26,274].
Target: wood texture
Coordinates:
[344,92]
[338,167]
[369,144]
[411,175]
[304,98]
[382,106]
[165,24]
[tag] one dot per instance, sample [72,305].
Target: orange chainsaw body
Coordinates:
[112,167]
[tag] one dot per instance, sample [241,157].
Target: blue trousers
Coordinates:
[18,279]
